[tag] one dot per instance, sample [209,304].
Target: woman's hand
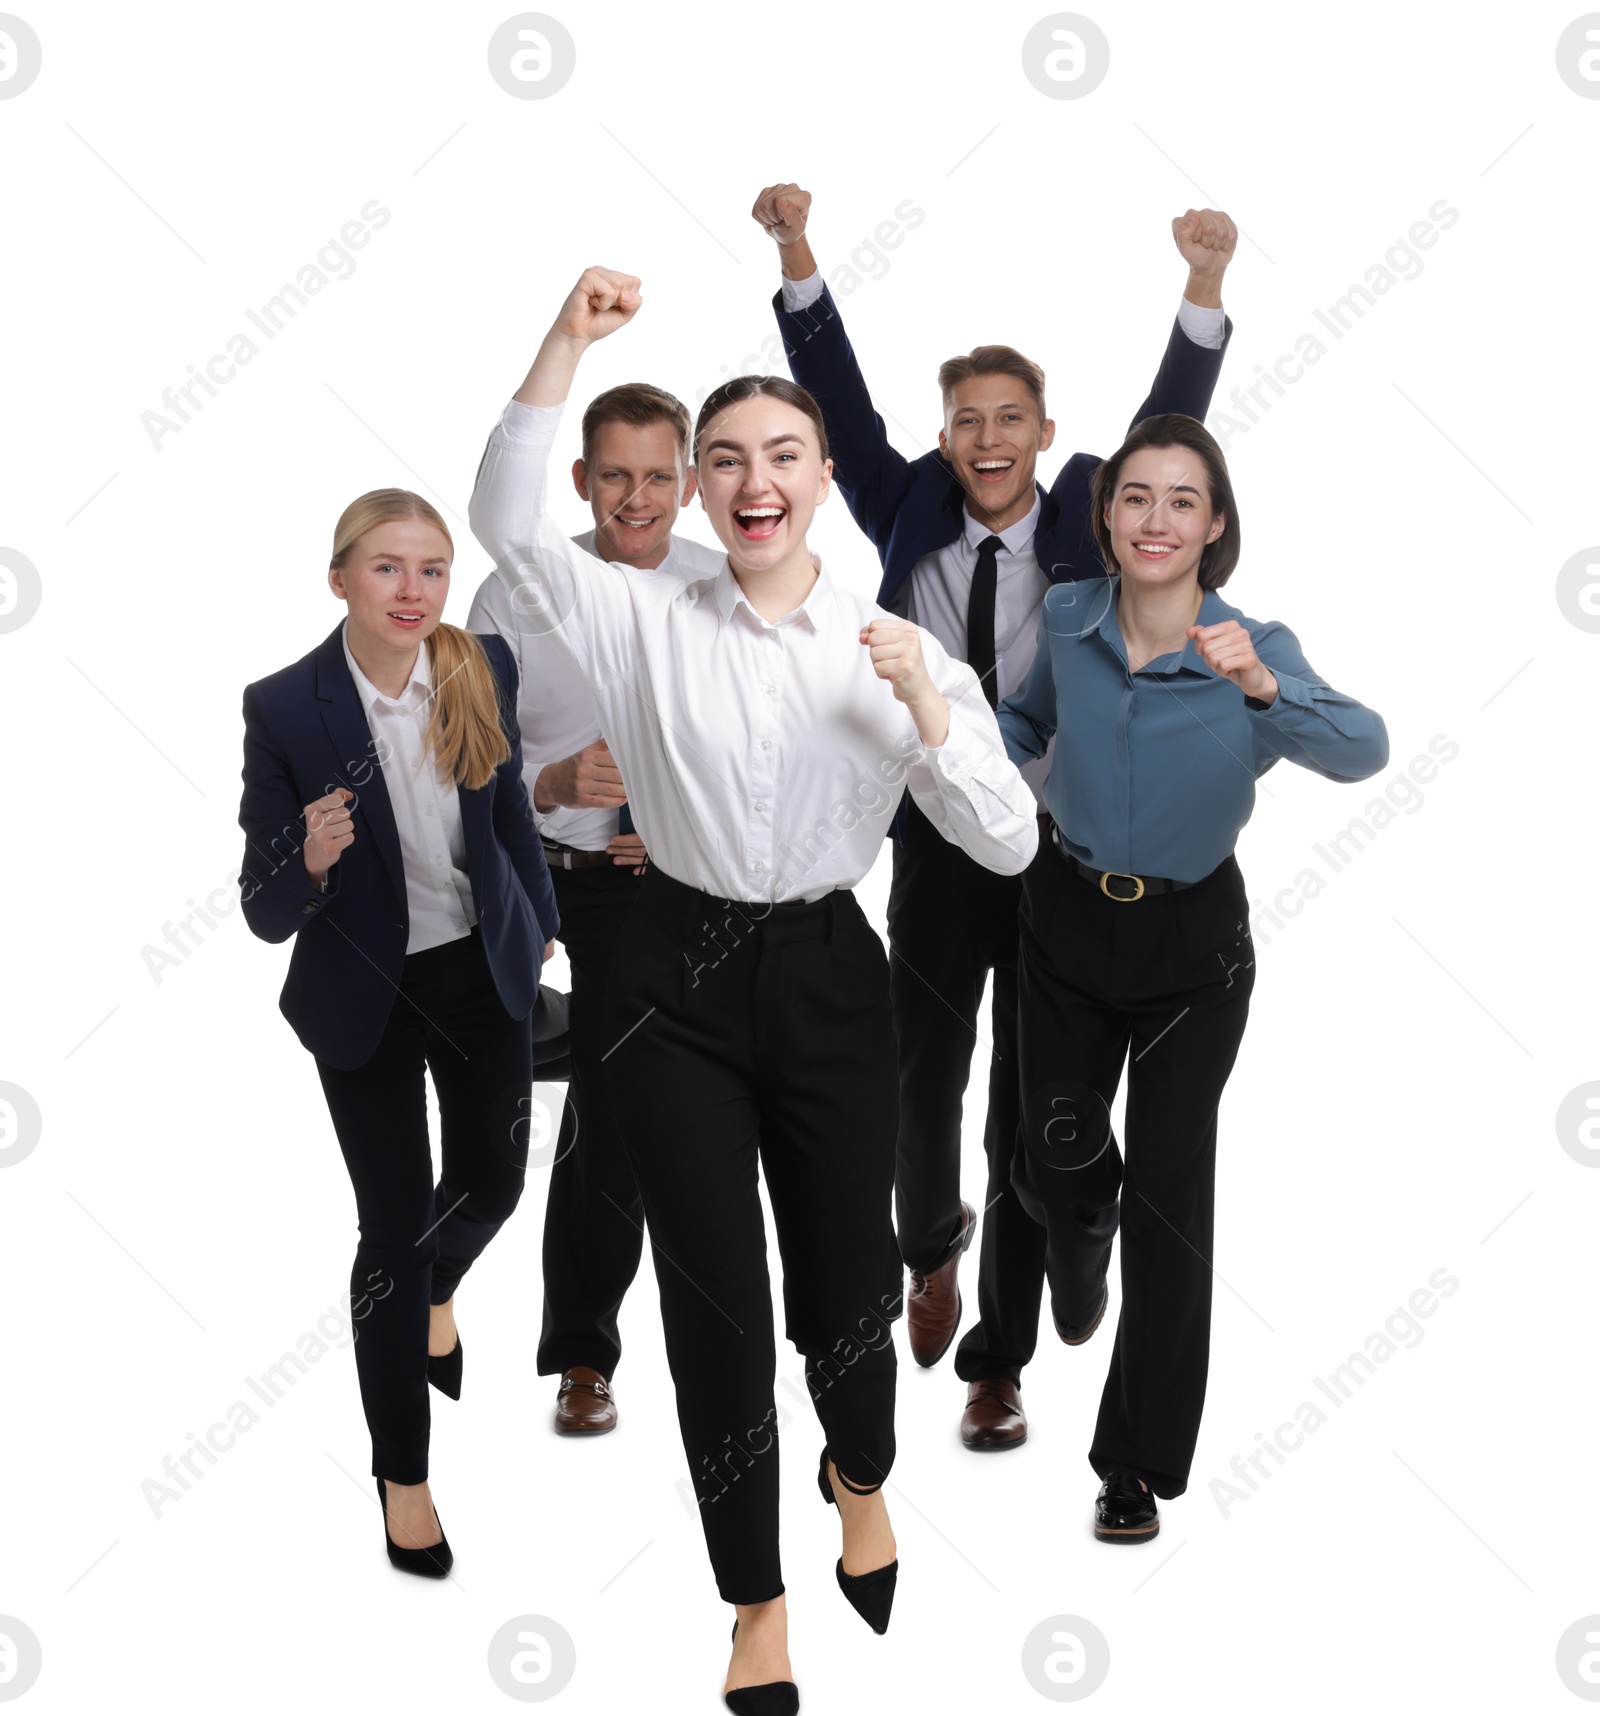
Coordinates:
[896,647]
[549,952]
[329,829]
[599,304]
[781,211]
[1226,649]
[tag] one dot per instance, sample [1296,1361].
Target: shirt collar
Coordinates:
[816,608]
[370,694]
[1104,622]
[1014,538]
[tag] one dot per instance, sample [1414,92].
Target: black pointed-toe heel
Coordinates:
[444,1372]
[434,1562]
[871,1595]
[771,1698]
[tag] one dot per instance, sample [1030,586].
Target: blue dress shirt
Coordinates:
[1154,772]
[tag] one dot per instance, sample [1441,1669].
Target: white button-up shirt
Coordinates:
[763,759]
[555,707]
[427,812]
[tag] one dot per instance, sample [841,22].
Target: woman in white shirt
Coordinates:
[763,755]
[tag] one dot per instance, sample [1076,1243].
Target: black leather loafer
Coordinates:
[1124,1513]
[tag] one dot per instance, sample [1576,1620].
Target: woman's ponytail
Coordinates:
[464,730]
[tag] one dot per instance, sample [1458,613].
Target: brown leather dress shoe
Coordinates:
[584,1406]
[994,1418]
[933,1306]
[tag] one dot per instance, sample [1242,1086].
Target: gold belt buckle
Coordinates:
[1122,899]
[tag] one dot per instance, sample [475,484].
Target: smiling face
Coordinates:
[635,482]
[1160,516]
[993,436]
[394,580]
[762,476]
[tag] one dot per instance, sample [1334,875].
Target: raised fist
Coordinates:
[1205,239]
[599,304]
[781,212]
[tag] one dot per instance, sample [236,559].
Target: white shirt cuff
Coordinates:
[1202,325]
[801,294]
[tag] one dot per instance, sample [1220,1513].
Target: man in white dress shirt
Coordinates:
[635,474]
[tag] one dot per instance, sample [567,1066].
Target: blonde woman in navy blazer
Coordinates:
[388,832]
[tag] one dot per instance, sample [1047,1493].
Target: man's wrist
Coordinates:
[1205,290]
[796,259]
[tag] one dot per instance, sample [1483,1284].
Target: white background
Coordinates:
[1405,507]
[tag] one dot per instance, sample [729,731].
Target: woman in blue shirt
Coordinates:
[1166,704]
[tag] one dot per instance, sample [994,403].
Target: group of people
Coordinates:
[680,762]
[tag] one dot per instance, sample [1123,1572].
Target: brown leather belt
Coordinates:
[573,857]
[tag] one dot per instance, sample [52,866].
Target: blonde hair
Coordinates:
[465,735]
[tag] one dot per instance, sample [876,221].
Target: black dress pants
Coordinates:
[1164,983]
[593,1219]
[952,922]
[746,1033]
[418,1239]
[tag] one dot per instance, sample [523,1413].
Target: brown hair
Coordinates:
[754,386]
[993,360]
[465,735]
[1172,429]
[638,404]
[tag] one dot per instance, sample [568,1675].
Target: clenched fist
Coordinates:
[587,777]
[599,304]
[329,829]
[781,212]
[1205,239]
[1226,649]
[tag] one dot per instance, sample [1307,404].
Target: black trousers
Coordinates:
[593,1219]
[746,1033]
[952,922]
[1164,983]
[417,1238]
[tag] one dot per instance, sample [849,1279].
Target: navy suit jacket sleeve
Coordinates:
[1187,376]
[513,815]
[873,478]
[278,896]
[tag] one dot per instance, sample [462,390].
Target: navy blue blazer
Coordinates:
[912,507]
[305,734]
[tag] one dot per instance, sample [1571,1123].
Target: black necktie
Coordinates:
[980,619]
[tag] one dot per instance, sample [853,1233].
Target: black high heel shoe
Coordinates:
[871,1594]
[770,1698]
[434,1562]
[444,1372]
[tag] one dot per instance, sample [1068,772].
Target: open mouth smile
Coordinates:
[1154,550]
[407,617]
[758,523]
[992,471]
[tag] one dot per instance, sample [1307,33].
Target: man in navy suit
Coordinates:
[970,541]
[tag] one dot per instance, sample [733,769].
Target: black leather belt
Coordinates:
[1102,879]
[573,857]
